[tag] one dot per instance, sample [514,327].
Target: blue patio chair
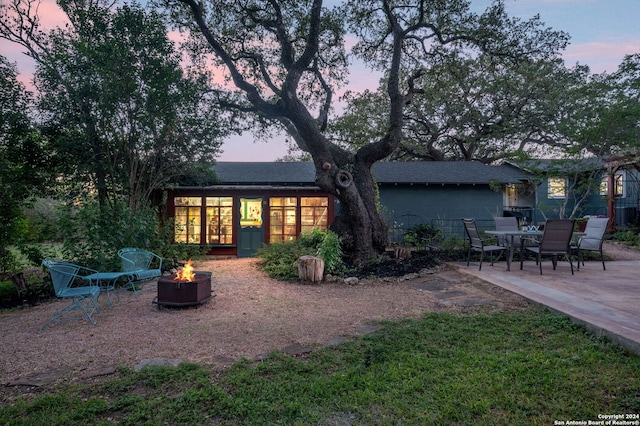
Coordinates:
[141,265]
[64,277]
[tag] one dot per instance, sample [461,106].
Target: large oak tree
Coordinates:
[285,58]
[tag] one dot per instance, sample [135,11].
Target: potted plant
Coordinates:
[581,224]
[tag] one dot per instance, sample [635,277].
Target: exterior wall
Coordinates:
[236,247]
[439,205]
[626,206]
[594,205]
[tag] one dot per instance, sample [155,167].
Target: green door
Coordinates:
[251,229]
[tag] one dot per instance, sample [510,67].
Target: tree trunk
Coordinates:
[359,224]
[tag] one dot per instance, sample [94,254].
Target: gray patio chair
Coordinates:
[65,276]
[479,244]
[141,265]
[593,238]
[556,241]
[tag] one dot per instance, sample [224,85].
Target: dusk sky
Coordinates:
[602,33]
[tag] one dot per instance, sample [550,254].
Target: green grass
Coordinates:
[528,367]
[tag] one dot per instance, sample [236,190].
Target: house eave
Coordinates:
[228,187]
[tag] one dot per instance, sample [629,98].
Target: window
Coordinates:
[313,213]
[188,218]
[619,187]
[557,188]
[219,220]
[283,221]
[251,212]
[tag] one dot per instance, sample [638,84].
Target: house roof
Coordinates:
[423,172]
[558,165]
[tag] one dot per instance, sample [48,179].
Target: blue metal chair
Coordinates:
[64,276]
[141,265]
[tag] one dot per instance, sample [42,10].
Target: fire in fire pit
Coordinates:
[186,288]
[186,273]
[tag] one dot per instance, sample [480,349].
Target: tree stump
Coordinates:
[403,253]
[310,268]
[18,280]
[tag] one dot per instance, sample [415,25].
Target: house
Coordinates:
[258,203]
[586,187]
[253,204]
[440,193]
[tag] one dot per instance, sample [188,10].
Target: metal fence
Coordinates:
[450,228]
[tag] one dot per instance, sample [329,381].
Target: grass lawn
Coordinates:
[529,367]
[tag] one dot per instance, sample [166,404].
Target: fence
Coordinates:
[450,228]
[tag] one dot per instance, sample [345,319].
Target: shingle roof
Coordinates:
[445,172]
[272,173]
[433,172]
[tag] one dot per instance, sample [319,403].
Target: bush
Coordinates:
[422,234]
[330,251]
[93,235]
[280,260]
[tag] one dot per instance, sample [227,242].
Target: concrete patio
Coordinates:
[606,302]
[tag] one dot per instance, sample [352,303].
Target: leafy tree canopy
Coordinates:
[123,115]
[24,164]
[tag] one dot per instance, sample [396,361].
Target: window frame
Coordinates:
[553,188]
[193,214]
[620,190]
[224,226]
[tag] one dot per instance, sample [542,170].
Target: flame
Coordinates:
[186,273]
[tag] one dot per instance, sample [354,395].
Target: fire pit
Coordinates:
[186,288]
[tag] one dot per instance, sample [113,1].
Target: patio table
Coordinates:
[107,282]
[511,235]
[519,233]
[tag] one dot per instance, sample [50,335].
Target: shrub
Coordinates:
[93,235]
[423,233]
[330,251]
[280,260]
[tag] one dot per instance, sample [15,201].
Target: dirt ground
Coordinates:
[250,316]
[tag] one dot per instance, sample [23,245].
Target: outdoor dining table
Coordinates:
[511,234]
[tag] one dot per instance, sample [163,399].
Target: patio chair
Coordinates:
[556,241]
[477,243]
[64,276]
[593,238]
[142,265]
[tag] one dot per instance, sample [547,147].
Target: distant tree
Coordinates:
[607,119]
[123,116]
[286,57]
[23,160]
[473,108]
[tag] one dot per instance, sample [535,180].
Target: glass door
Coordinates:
[251,229]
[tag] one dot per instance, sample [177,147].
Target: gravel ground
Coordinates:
[250,316]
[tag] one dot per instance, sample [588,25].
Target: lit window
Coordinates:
[619,188]
[188,219]
[219,220]
[557,188]
[313,213]
[283,220]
